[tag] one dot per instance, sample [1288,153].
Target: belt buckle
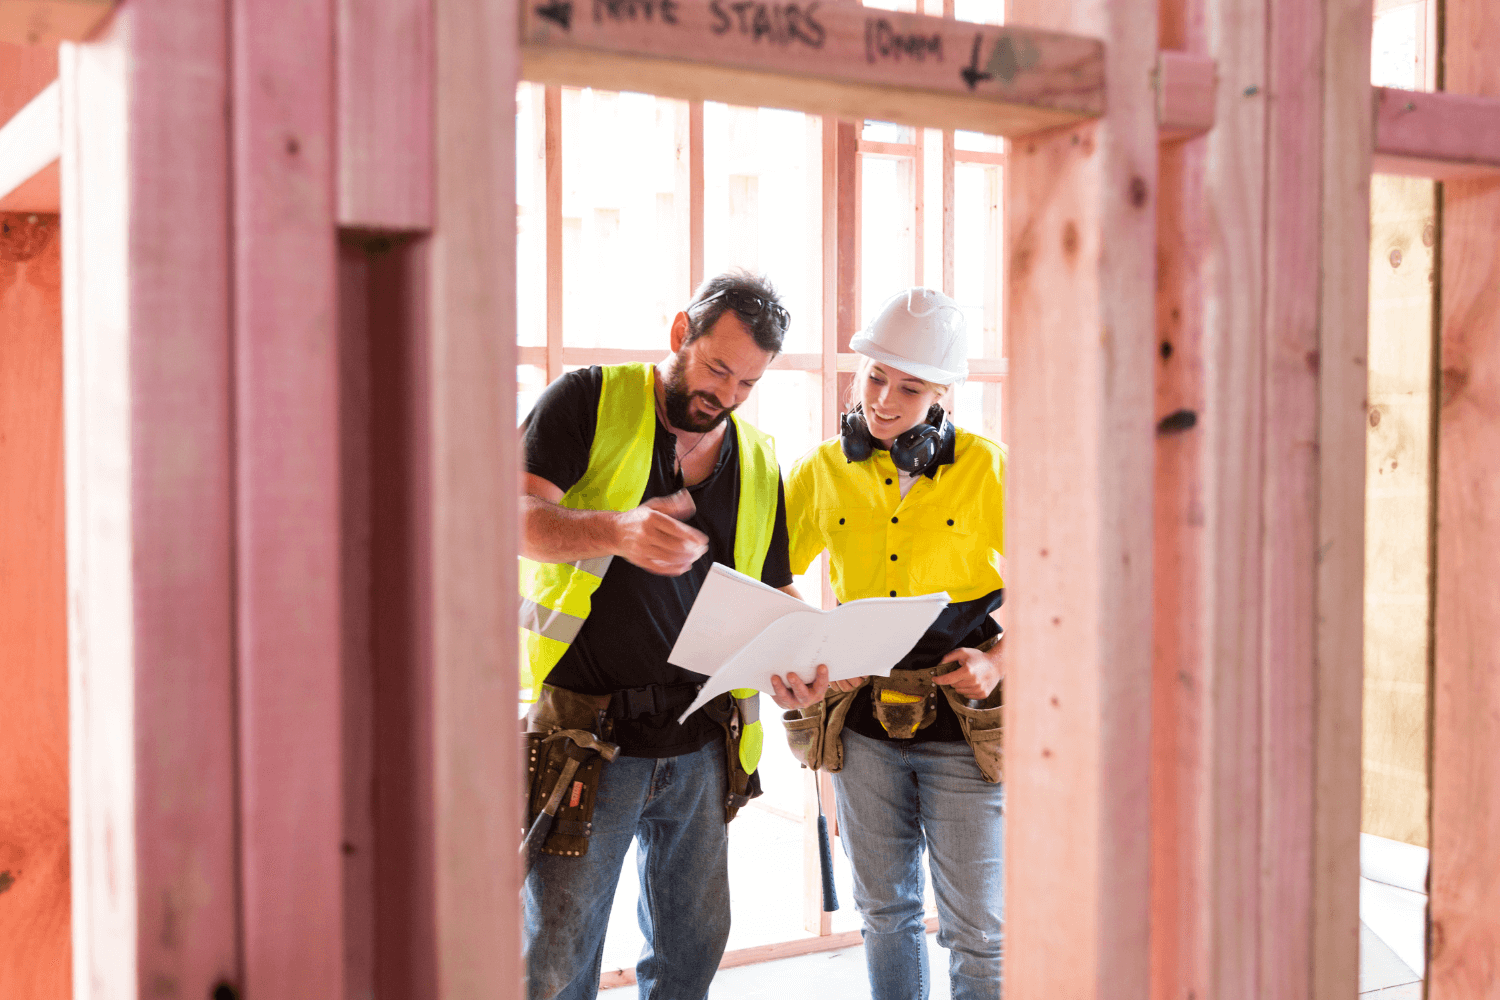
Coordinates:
[648,700]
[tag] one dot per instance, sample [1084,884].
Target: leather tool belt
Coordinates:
[567,745]
[815,733]
[652,699]
[566,748]
[743,785]
[658,699]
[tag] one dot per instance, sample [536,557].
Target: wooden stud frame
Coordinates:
[1081,338]
[48,22]
[1258,677]
[150,505]
[185,793]
[1464,933]
[205,523]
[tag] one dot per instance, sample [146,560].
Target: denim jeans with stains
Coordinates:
[675,806]
[896,798]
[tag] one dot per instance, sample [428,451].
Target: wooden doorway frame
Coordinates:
[178,647]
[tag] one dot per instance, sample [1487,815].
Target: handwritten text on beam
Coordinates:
[837,43]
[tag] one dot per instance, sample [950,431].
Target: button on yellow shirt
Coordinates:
[947,533]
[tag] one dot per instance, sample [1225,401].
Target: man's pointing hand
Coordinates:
[654,536]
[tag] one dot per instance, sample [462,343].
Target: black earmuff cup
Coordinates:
[854,436]
[913,452]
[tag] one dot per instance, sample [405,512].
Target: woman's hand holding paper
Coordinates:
[793,693]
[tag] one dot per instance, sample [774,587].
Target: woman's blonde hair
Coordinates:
[944,392]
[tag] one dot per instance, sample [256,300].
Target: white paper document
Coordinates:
[741,631]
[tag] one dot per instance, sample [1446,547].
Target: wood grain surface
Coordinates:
[831,58]
[384,58]
[1398,510]
[287,514]
[1448,136]
[44,23]
[24,71]
[1180,888]
[1464,940]
[35,906]
[467,484]
[146,247]
[1081,215]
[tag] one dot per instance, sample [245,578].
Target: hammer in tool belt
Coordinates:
[583,745]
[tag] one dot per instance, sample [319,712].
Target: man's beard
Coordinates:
[679,403]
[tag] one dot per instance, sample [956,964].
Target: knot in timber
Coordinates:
[1177,422]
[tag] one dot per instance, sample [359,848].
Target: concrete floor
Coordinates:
[1382,975]
[765,875]
[841,974]
[829,975]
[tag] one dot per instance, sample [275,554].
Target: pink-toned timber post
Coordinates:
[1079,311]
[228,624]
[287,575]
[1179,683]
[146,314]
[1464,939]
[472,469]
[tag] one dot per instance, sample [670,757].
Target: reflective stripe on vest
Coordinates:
[556,597]
[759,479]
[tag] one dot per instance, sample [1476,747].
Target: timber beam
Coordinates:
[1186,84]
[1439,135]
[30,144]
[836,59]
[47,22]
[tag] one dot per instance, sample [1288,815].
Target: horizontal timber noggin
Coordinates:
[831,58]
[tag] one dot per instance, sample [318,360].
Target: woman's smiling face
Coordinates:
[894,402]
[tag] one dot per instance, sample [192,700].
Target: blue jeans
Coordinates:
[894,798]
[675,805]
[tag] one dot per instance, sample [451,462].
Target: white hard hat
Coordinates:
[921,332]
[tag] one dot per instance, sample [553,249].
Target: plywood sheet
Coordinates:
[1398,508]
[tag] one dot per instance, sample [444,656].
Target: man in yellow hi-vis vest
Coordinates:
[638,479]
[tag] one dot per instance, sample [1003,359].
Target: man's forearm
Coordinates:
[550,533]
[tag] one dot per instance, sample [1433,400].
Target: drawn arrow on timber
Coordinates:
[561,12]
[972,74]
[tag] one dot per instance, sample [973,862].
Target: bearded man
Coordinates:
[638,479]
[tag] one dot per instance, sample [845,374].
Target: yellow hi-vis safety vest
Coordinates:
[556,597]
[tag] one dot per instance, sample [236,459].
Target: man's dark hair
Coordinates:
[750,297]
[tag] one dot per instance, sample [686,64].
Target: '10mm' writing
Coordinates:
[883,41]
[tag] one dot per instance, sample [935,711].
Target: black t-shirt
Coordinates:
[636,615]
[961,624]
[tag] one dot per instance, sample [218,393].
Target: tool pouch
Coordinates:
[983,730]
[982,725]
[743,785]
[804,734]
[905,701]
[556,715]
[814,733]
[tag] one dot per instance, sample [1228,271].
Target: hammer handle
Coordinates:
[543,823]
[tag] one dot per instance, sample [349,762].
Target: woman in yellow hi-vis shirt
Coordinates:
[907,504]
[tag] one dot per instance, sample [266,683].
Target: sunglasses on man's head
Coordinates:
[750,305]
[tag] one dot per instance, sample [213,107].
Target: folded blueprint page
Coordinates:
[741,631]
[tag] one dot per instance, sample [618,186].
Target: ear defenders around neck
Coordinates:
[913,452]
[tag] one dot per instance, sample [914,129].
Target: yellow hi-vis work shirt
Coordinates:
[947,533]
